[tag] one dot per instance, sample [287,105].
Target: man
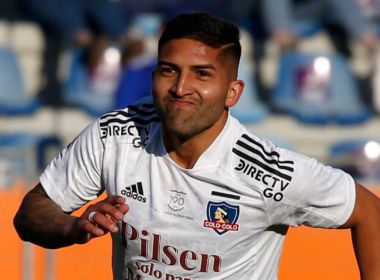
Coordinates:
[167,164]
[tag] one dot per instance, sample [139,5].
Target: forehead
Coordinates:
[190,51]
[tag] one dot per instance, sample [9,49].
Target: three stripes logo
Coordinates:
[135,192]
[263,166]
[116,123]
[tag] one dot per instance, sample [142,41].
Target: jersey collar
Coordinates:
[210,157]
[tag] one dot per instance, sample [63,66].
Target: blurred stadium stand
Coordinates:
[318,89]
[13,98]
[92,91]
[359,157]
[249,109]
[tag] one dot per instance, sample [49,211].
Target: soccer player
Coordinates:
[170,161]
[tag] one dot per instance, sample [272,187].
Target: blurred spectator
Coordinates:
[135,82]
[281,21]
[171,8]
[371,10]
[89,24]
[247,14]
[281,15]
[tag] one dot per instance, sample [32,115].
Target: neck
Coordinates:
[185,151]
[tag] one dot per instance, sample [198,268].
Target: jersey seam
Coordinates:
[336,224]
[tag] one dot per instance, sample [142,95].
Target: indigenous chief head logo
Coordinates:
[222,217]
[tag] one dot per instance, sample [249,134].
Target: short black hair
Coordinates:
[206,28]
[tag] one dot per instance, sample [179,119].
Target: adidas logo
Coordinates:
[135,191]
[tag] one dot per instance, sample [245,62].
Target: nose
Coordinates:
[183,85]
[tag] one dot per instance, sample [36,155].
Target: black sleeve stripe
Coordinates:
[262,165]
[265,152]
[128,114]
[133,119]
[134,108]
[270,161]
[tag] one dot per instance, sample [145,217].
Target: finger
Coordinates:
[104,223]
[115,199]
[111,219]
[106,208]
[91,219]
[92,229]
[123,208]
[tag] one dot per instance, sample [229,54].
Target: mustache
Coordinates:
[173,97]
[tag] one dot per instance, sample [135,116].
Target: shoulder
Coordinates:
[261,163]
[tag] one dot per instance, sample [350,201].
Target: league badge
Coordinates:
[222,217]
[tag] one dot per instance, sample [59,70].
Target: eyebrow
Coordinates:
[196,67]
[204,66]
[166,63]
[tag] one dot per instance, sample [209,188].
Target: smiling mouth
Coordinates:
[178,102]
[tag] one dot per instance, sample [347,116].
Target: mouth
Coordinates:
[181,103]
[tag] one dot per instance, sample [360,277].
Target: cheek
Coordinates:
[213,92]
[161,85]
[156,86]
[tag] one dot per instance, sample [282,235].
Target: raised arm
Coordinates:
[41,221]
[365,227]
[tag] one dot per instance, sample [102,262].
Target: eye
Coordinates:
[203,74]
[168,70]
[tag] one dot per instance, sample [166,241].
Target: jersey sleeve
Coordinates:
[317,196]
[74,176]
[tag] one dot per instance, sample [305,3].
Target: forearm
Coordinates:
[367,253]
[365,228]
[41,221]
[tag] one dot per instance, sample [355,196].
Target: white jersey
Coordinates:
[226,218]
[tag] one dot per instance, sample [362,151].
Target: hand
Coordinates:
[108,212]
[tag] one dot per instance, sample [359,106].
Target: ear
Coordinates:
[234,93]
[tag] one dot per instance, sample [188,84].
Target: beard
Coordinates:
[185,123]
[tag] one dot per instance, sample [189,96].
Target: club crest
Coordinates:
[222,217]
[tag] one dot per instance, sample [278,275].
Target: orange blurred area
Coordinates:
[316,254]
[308,253]
[89,261]
[10,244]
